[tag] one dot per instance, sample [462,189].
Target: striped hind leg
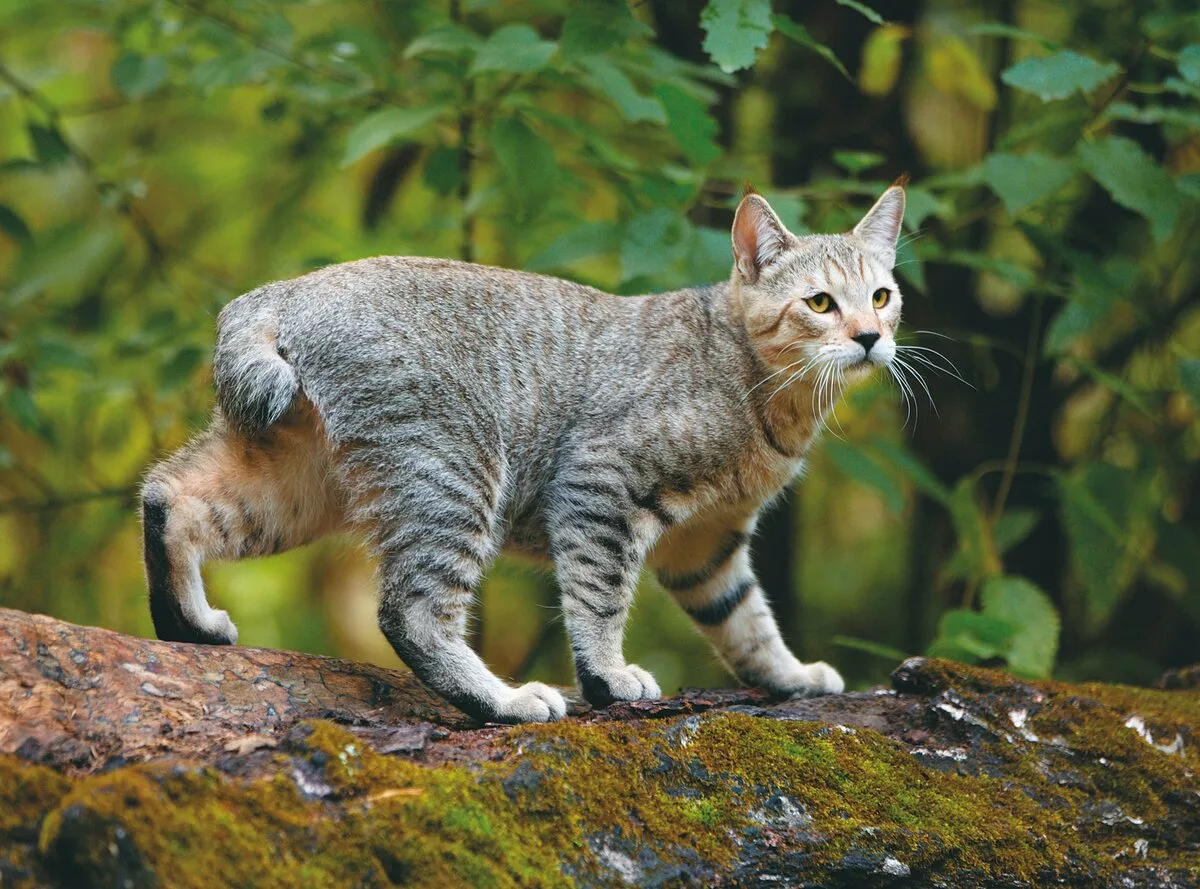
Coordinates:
[723,598]
[437,529]
[225,497]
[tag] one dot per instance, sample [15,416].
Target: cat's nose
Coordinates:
[866,340]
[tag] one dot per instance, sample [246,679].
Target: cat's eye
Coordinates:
[881,297]
[821,303]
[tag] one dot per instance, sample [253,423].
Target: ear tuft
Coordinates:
[902,181]
[748,188]
[758,236]
[880,228]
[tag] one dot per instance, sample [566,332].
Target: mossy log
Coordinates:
[131,763]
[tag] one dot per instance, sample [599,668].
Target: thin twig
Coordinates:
[1018,431]
[66,501]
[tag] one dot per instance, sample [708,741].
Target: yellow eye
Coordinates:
[881,297]
[821,303]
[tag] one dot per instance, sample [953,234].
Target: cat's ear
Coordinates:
[758,236]
[881,226]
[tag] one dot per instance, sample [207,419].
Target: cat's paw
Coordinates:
[213,628]
[629,683]
[531,702]
[817,678]
[809,680]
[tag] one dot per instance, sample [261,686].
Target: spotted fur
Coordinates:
[447,410]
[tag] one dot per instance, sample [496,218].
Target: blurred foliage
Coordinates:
[158,157]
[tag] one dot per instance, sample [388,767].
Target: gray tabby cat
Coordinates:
[447,410]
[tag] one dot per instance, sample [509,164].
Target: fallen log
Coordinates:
[135,763]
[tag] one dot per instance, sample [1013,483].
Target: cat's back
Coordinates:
[453,298]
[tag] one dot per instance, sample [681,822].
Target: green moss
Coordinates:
[1079,753]
[27,793]
[678,790]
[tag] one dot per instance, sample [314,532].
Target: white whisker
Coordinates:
[926,356]
[905,367]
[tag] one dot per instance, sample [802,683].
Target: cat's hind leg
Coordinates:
[435,523]
[224,496]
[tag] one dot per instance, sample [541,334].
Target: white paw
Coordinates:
[628,683]
[218,628]
[532,702]
[816,679]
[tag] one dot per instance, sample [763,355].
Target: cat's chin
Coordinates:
[860,370]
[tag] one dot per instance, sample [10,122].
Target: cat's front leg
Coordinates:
[597,552]
[725,600]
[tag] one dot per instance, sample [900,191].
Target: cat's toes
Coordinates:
[629,683]
[532,702]
[224,628]
[818,679]
[212,628]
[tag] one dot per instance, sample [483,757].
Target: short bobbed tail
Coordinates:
[255,384]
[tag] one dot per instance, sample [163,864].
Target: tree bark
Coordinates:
[130,762]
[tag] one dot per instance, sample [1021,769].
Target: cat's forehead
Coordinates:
[835,261]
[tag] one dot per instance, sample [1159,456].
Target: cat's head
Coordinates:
[814,301]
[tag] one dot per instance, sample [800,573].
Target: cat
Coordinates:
[446,410]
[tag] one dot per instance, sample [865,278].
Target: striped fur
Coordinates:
[446,411]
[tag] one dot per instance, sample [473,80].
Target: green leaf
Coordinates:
[690,123]
[1020,180]
[48,144]
[596,26]
[1189,63]
[1096,289]
[863,10]
[998,29]
[1058,76]
[857,161]
[790,208]
[1178,547]
[20,406]
[653,240]
[14,226]
[582,242]
[135,76]
[709,256]
[954,68]
[1189,378]
[1099,505]
[443,40]
[177,371]
[855,463]
[919,204]
[515,49]
[881,56]
[1033,648]
[1013,527]
[901,459]
[980,636]
[610,81]
[887,652]
[384,127]
[1075,320]
[975,540]
[793,30]
[1113,383]
[735,30]
[527,161]
[443,170]
[1154,115]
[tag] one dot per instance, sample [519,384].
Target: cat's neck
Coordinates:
[791,405]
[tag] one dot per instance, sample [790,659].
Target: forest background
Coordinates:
[159,157]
